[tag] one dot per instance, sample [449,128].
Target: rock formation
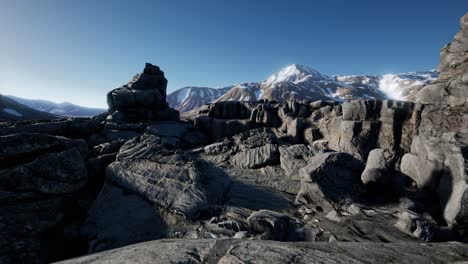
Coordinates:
[335,182]
[143,99]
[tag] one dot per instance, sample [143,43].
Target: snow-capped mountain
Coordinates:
[188,98]
[61,109]
[242,92]
[300,82]
[404,86]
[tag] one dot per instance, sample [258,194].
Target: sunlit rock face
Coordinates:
[142,99]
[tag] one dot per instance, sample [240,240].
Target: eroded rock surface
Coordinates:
[245,251]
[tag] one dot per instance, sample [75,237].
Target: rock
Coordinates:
[180,134]
[312,134]
[113,135]
[330,178]
[358,138]
[118,218]
[293,158]
[425,173]
[172,182]
[452,68]
[295,129]
[377,171]
[230,110]
[107,148]
[241,235]
[218,129]
[257,157]
[271,225]
[361,110]
[39,175]
[419,226]
[259,251]
[142,99]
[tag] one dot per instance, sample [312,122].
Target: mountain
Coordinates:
[404,86]
[188,98]
[11,111]
[62,109]
[301,82]
[242,92]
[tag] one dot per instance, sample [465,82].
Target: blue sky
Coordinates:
[76,51]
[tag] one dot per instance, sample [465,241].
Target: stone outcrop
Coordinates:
[251,251]
[143,99]
[40,176]
[332,177]
[438,158]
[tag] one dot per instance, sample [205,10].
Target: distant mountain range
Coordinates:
[11,111]
[292,82]
[300,82]
[58,109]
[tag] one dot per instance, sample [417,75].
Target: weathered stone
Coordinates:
[257,157]
[119,218]
[256,251]
[420,226]
[424,172]
[142,99]
[332,177]
[271,225]
[377,169]
[38,173]
[293,158]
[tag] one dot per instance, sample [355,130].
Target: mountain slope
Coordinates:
[404,86]
[303,83]
[11,111]
[62,109]
[188,98]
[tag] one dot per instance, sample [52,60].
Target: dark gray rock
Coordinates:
[38,174]
[118,218]
[257,157]
[294,158]
[255,251]
[271,225]
[142,99]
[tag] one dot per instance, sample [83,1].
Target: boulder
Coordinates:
[178,134]
[257,157]
[420,226]
[143,99]
[271,225]
[312,134]
[120,217]
[377,170]
[425,173]
[293,158]
[331,177]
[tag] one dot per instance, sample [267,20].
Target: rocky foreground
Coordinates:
[363,181]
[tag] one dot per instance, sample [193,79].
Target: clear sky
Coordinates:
[77,50]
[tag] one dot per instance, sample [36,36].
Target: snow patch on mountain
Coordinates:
[399,86]
[12,112]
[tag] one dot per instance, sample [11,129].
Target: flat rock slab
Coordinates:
[248,251]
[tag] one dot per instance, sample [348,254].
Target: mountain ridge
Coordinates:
[297,81]
[63,109]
